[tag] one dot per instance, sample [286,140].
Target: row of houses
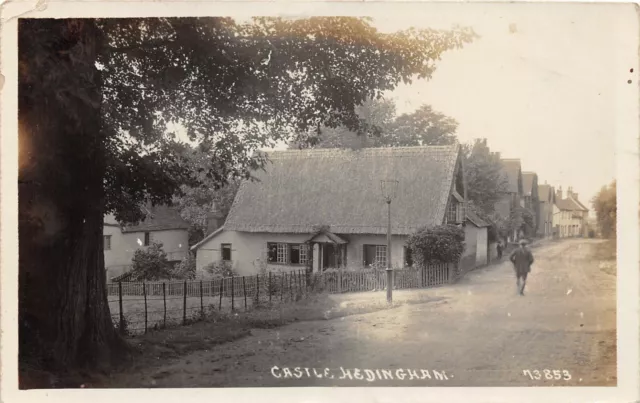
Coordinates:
[554,215]
[323,208]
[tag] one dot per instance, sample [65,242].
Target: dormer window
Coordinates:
[455,210]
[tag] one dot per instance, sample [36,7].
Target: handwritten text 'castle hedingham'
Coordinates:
[369,375]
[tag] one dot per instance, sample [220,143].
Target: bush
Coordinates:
[592,233]
[441,244]
[186,269]
[151,264]
[220,269]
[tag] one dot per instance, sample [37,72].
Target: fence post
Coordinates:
[290,287]
[144,292]
[164,299]
[257,289]
[201,300]
[281,287]
[340,280]
[270,289]
[221,292]
[295,283]
[184,304]
[244,292]
[232,294]
[120,304]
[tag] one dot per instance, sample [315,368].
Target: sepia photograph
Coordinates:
[420,197]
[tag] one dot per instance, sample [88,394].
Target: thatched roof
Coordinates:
[159,218]
[339,190]
[527,182]
[512,171]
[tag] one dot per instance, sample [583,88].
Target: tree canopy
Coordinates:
[604,204]
[97,99]
[424,126]
[485,180]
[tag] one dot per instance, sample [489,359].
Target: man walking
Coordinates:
[522,259]
[499,249]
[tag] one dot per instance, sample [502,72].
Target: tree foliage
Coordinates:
[186,269]
[151,264]
[98,99]
[604,204]
[195,201]
[486,183]
[440,244]
[424,126]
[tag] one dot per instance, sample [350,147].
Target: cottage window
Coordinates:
[374,254]
[454,212]
[107,242]
[147,238]
[225,250]
[285,253]
[298,254]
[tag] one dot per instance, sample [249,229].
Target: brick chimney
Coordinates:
[215,219]
[559,193]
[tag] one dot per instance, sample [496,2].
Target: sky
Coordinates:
[538,84]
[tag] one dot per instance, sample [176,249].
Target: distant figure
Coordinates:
[522,259]
[499,248]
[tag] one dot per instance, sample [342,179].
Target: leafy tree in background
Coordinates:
[424,126]
[485,182]
[96,98]
[604,204]
[196,201]
[378,114]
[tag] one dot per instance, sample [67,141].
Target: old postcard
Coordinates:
[320,201]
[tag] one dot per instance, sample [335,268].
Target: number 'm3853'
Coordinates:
[548,374]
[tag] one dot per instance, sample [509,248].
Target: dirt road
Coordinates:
[481,333]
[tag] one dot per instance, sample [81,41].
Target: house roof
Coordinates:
[577,204]
[302,190]
[570,205]
[159,218]
[580,204]
[546,192]
[206,238]
[527,182]
[475,220]
[512,170]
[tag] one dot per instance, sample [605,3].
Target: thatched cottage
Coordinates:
[324,208]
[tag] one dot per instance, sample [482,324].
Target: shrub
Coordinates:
[220,269]
[186,269]
[151,264]
[592,233]
[441,244]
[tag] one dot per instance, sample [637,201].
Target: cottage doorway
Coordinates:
[330,257]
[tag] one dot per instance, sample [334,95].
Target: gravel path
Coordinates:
[479,333]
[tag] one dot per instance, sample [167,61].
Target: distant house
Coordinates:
[531,197]
[163,224]
[324,208]
[513,197]
[547,196]
[570,215]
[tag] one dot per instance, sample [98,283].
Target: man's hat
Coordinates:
[523,242]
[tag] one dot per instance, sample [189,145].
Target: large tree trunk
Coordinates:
[63,310]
